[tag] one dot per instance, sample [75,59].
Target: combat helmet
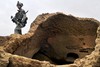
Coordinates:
[19,4]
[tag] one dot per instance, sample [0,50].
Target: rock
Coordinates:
[23,45]
[3,39]
[9,60]
[67,37]
[18,61]
[4,58]
[92,60]
[58,38]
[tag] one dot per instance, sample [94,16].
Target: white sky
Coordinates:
[80,8]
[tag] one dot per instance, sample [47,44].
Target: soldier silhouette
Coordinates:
[19,19]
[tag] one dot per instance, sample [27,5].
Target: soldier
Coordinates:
[19,19]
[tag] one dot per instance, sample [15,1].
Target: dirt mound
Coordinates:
[57,38]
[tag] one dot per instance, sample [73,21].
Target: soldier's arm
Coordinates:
[24,16]
[14,19]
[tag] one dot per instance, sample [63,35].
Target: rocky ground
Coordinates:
[54,40]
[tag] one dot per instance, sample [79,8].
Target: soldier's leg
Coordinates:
[18,30]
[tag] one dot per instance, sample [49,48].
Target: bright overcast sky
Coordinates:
[79,8]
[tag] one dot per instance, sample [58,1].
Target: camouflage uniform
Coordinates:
[20,19]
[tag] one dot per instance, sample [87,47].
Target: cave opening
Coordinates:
[71,57]
[74,55]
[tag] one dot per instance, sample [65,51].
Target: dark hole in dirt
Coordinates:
[74,55]
[71,57]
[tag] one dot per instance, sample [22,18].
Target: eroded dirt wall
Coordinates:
[56,37]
